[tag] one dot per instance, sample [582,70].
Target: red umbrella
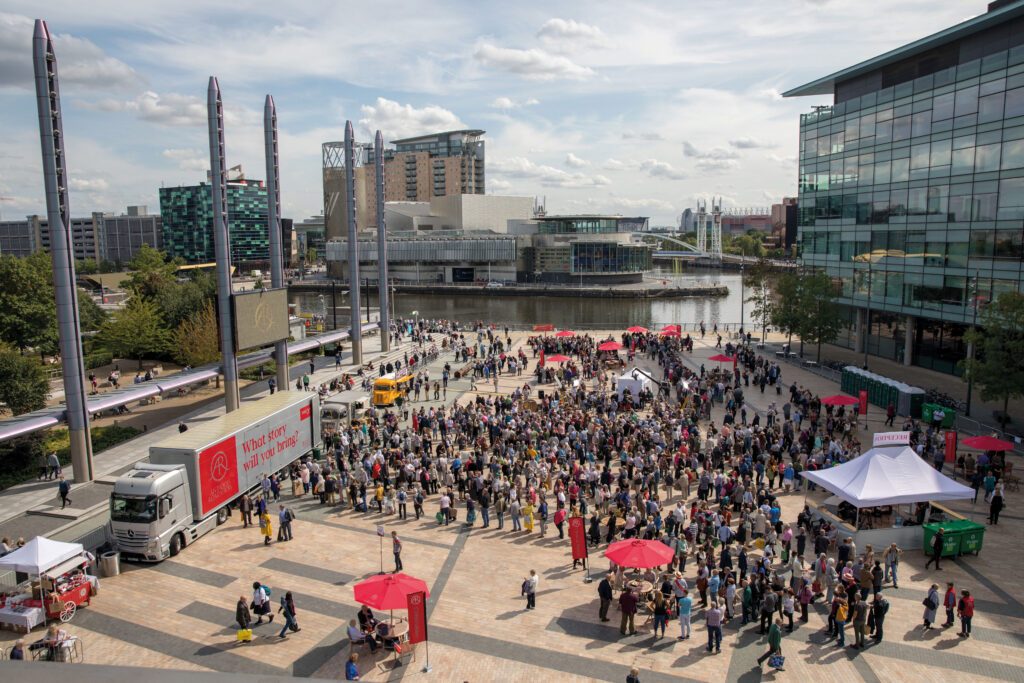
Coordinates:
[565,333]
[637,553]
[558,358]
[637,329]
[722,358]
[987,443]
[388,591]
[839,400]
[671,333]
[610,346]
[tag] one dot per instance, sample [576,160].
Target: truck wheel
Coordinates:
[222,516]
[175,544]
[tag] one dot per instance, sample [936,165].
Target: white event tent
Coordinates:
[888,476]
[39,556]
[636,380]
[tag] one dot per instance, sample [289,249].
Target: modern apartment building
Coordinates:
[912,186]
[100,237]
[187,214]
[415,170]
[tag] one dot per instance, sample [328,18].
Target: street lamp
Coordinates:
[975,301]
[867,319]
[742,299]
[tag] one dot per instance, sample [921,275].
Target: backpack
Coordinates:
[266,589]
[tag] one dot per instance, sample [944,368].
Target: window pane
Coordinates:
[963,160]
[1013,154]
[942,107]
[883,170]
[883,131]
[941,152]
[1014,103]
[919,156]
[986,158]
[900,128]
[900,170]
[1011,199]
[990,108]
[966,101]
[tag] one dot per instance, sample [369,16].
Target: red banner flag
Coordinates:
[863,402]
[540,363]
[417,606]
[951,438]
[578,537]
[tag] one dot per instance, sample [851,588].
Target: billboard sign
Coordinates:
[260,317]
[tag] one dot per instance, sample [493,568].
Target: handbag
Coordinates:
[244,635]
[776,661]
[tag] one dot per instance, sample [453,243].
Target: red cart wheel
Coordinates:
[68,611]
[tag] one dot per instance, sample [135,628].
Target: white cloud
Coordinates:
[574,161]
[497,186]
[783,160]
[548,176]
[748,143]
[660,169]
[80,62]
[534,63]
[613,164]
[188,159]
[714,166]
[642,204]
[566,34]
[509,103]
[88,184]
[396,120]
[647,135]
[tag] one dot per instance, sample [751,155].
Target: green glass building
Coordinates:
[187,214]
[912,186]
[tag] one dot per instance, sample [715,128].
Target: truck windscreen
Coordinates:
[132,508]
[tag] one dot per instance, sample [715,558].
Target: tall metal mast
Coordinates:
[382,247]
[55,182]
[274,227]
[222,243]
[356,333]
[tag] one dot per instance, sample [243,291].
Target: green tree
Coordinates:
[25,386]
[310,256]
[178,300]
[196,341]
[28,314]
[136,331]
[820,322]
[90,316]
[998,365]
[758,280]
[86,267]
[151,272]
[787,310]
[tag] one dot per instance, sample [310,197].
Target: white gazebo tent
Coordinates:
[40,555]
[636,380]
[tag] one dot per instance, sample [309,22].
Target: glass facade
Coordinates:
[604,257]
[187,214]
[578,225]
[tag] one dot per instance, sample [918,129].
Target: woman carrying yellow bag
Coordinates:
[528,517]
[266,527]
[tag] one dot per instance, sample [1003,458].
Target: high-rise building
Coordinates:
[912,186]
[415,170]
[187,214]
[100,237]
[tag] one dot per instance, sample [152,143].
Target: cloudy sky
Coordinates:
[628,107]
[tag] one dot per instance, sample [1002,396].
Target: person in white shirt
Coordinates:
[530,588]
[261,603]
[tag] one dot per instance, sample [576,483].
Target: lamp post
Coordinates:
[867,318]
[975,300]
[743,298]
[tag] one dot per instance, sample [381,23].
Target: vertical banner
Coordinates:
[736,359]
[863,402]
[416,603]
[951,439]
[578,537]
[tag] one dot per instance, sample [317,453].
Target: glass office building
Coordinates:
[187,214]
[912,186]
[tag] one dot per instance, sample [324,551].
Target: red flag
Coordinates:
[951,438]
[540,363]
[863,402]
[578,537]
[417,606]
[415,422]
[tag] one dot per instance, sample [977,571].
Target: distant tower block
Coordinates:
[716,230]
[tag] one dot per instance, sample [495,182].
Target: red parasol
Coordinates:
[722,358]
[671,333]
[839,400]
[637,553]
[565,333]
[547,327]
[558,358]
[636,329]
[987,443]
[610,346]
[388,591]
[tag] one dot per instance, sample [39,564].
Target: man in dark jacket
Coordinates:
[938,540]
[604,591]
[879,608]
[242,615]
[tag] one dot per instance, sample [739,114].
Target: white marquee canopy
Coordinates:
[39,556]
[888,476]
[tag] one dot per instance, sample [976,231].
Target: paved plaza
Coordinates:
[180,614]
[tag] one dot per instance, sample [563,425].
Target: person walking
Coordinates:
[266,527]
[713,620]
[996,504]
[284,517]
[261,602]
[63,489]
[774,643]
[242,615]
[272,384]
[604,592]
[288,608]
[931,606]
[892,564]
[530,589]
[966,611]
[396,548]
[938,540]
[627,608]
[54,463]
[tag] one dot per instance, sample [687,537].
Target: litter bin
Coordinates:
[110,563]
[971,536]
[950,541]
